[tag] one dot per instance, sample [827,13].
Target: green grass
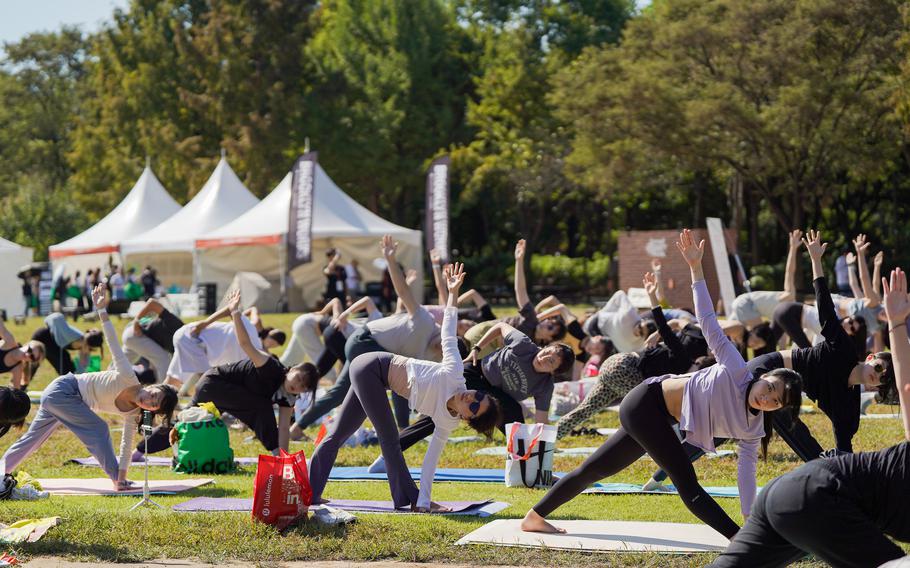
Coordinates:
[102,529]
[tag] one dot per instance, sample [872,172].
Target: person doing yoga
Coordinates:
[624,371]
[58,337]
[436,390]
[250,388]
[412,333]
[151,336]
[18,360]
[831,373]
[721,400]
[840,509]
[74,401]
[753,308]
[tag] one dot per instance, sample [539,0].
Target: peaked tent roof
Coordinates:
[145,206]
[335,214]
[6,245]
[222,199]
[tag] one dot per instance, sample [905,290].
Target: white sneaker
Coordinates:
[28,493]
[331,516]
[377,466]
[653,485]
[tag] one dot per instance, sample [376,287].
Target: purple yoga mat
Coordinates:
[156,461]
[354,506]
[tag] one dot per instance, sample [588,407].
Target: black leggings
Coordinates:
[477,315]
[58,357]
[788,318]
[647,426]
[334,341]
[811,509]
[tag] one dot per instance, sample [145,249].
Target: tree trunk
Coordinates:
[754,203]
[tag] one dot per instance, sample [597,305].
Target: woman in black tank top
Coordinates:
[12,355]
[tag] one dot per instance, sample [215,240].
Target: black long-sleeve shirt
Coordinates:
[674,355]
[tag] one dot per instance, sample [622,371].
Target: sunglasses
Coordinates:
[853,325]
[474,407]
[879,369]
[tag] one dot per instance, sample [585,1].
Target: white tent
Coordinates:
[145,206]
[169,247]
[255,242]
[12,258]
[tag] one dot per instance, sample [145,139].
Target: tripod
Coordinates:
[146,500]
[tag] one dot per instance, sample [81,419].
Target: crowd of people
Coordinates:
[687,381]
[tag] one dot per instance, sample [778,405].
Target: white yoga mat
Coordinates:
[878,416]
[603,536]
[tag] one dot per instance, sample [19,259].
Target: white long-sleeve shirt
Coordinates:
[431,386]
[100,390]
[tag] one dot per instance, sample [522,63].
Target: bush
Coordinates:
[558,270]
[767,277]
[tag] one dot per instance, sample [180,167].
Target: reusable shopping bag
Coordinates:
[281,489]
[529,459]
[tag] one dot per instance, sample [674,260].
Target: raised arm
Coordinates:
[498,331]
[200,326]
[851,276]
[862,245]
[118,358]
[877,262]
[789,294]
[825,305]
[259,358]
[436,265]
[557,310]
[897,308]
[451,363]
[521,287]
[670,339]
[330,267]
[724,351]
[389,247]
[656,267]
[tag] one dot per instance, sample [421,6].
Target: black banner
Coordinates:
[437,223]
[300,222]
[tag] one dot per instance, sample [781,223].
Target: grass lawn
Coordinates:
[102,529]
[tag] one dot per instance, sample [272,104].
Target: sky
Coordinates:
[20,17]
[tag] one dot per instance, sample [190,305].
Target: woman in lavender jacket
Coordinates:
[739,408]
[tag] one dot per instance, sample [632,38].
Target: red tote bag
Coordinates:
[281,489]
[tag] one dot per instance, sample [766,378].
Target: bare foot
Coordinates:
[535,523]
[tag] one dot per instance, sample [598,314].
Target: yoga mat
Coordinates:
[104,487]
[603,536]
[583,451]
[443,474]
[155,461]
[631,488]
[607,431]
[879,416]
[465,508]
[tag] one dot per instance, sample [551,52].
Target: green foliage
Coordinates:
[559,270]
[38,216]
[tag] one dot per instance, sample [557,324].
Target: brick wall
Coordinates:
[638,248]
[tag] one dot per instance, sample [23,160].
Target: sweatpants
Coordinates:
[137,346]
[57,356]
[789,427]
[809,510]
[367,398]
[360,342]
[788,318]
[254,410]
[305,343]
[647,426]
[512,410]
[61,403]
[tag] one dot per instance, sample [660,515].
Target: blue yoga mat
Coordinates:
[443,474]
[630,488]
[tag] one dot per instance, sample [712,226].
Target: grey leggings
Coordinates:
[367,398]
[61,403]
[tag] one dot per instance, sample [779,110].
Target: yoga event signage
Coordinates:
[437,224]
[300,223]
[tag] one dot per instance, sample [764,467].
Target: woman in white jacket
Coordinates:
[434,389]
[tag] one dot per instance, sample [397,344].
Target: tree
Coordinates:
[790,95]
[38,216]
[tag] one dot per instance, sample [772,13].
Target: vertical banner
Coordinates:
[721,262]
[300,223]
[437,224]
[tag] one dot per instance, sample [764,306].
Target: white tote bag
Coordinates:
[529,460]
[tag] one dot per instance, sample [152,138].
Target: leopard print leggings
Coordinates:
[618,375]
